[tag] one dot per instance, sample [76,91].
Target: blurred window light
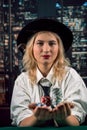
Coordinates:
[85,4]
[21,2]
[58,5]
[4,5]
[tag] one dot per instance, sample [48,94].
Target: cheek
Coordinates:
[36,52]
[56,51]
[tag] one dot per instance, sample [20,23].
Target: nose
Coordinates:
[46,47]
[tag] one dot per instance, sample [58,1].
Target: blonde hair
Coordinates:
[30,64]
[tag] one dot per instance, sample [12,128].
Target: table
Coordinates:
[45,128]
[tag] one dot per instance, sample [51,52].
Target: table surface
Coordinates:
[45,128]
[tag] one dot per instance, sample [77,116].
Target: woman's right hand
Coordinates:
[42,113]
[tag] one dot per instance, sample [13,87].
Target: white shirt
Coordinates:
[73,90]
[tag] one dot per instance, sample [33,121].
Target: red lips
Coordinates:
[46,56]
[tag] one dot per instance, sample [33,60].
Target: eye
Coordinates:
[40,43]
[51,43]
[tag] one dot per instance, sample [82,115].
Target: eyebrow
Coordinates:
[43,41]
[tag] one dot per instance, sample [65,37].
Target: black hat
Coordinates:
[38,25]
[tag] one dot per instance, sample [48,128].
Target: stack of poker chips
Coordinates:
[46,100]
[56,96]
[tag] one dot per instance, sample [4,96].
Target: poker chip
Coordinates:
[46,100]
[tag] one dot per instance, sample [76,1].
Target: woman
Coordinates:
[63,103]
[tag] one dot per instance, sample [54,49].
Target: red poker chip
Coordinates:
[46,100]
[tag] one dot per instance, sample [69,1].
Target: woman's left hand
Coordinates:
[62,111]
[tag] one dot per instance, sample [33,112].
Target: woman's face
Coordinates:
[45,48]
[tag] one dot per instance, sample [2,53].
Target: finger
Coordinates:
[32,106]
[55,112]
[63,111]
[37,111]
[49,114]
[71,105]
[68,109]
[43,113]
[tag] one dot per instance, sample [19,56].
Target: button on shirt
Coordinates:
[72,87]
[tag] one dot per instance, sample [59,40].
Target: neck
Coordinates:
[44,69]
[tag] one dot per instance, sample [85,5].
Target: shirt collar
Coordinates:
[40,76]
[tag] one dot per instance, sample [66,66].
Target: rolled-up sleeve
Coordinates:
[20,101]
[75,91]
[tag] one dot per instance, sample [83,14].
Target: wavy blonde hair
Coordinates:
[30,64]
